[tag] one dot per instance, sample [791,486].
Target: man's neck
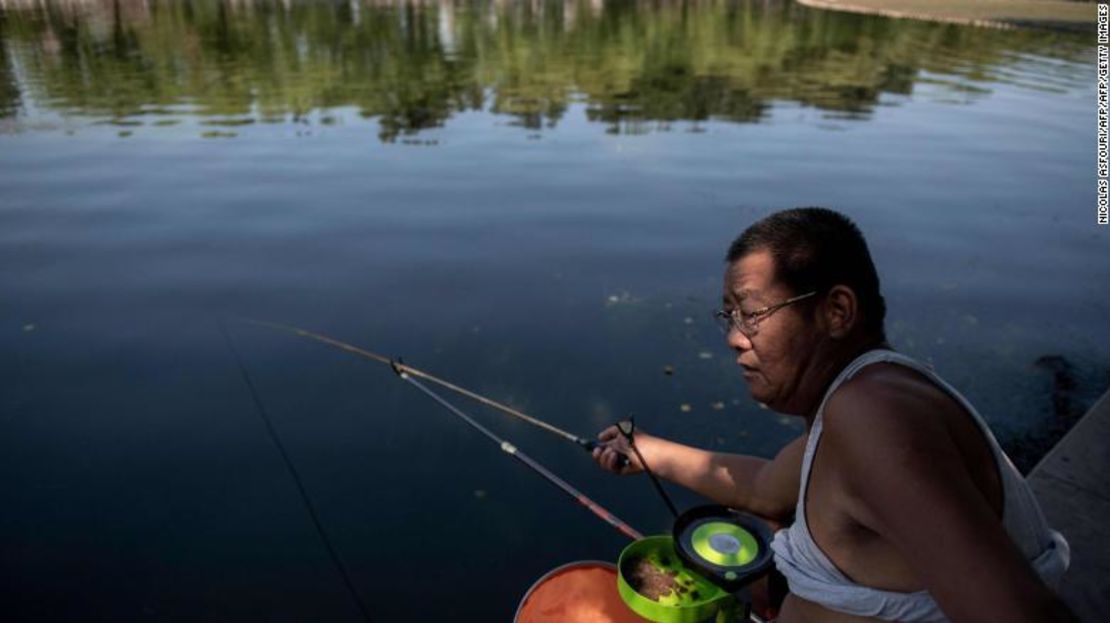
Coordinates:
[827,366]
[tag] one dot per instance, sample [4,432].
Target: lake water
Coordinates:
[531,199]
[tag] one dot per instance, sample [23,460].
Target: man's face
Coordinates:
[774,359]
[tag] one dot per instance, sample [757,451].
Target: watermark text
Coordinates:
[1103,184]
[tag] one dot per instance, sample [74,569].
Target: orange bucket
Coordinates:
[577,592]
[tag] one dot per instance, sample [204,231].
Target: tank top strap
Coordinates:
[872,356]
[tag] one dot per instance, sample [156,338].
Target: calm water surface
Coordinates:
[531,199]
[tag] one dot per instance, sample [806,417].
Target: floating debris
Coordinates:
[616,299]
[480,494]
[124,134]
[228,123]
[685,407]
[717,406]
[705,355]
[668,370]
[688,320]
[27,328]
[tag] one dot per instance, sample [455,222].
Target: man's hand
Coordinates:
[612,446]
[768,488]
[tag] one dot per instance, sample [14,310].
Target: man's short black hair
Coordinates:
[816,249]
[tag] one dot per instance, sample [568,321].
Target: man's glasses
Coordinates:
[747,323]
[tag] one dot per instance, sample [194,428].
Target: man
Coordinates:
[899,502]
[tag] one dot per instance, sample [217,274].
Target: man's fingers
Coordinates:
[610,453]
[608,434]
[612,459]
[604,457]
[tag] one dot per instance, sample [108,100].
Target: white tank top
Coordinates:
[812,576]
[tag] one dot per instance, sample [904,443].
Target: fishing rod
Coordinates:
[584,443]
[516,453]
[407,373]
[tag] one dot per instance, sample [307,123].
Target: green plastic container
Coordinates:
[693,599]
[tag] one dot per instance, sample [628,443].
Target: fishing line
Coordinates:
[296,477]
[584,443]
[627,429]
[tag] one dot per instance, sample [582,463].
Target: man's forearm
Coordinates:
[729,479]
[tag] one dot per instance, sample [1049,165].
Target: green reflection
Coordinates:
[9,91]
[638,66]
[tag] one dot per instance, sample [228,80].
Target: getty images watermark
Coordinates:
[1103,113]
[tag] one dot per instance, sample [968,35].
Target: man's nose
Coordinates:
[737,340]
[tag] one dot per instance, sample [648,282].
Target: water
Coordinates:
[530,199]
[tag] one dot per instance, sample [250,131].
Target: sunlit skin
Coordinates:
[893,445]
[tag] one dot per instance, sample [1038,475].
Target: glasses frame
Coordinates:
[748,323]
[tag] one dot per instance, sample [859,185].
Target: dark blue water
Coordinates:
[530,200]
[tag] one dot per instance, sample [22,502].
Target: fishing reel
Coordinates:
[730,548]
[700,572]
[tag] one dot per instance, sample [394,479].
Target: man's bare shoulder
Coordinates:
[890,394]
[888,409]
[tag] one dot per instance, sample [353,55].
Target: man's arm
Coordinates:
[768,488]
[908,483]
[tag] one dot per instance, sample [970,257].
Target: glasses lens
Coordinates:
[724,321]
[728,321]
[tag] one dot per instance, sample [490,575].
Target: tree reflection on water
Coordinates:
[638,66]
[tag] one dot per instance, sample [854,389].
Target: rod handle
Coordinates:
[589,444]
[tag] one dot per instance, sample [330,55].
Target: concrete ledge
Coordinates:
[1055,14]
[1072,485]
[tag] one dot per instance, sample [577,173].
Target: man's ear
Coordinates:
[840,310]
